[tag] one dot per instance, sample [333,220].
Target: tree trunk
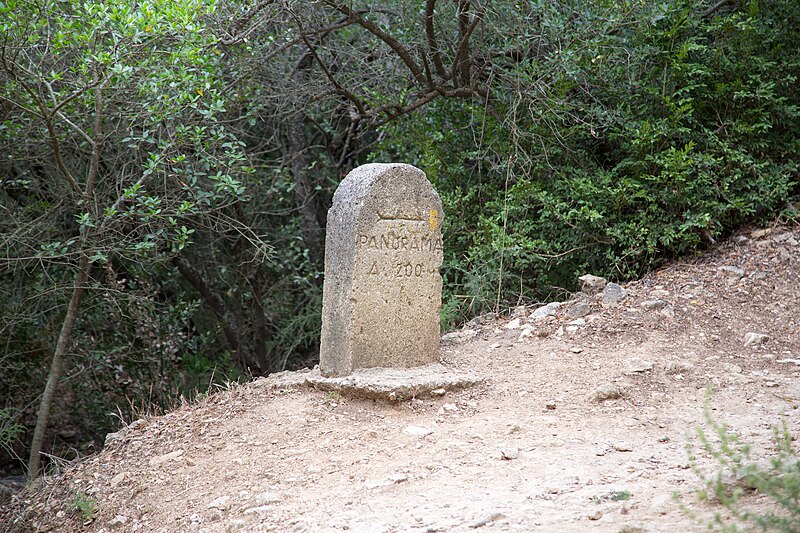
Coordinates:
[64,341]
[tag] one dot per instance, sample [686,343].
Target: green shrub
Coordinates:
[638,133]
[737,475]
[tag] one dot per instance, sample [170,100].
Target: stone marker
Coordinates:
[382,290]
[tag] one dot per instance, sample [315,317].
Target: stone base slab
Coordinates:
[394,384]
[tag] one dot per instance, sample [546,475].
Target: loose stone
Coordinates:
[606,391]
[637,366]
[613,294]
[653,305]
[550,309]
[509,454]
[592,284]
[754,339]
[578,310]
[417,431]
[733,271]
[462,335]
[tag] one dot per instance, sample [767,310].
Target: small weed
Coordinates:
[83,504]
[332,397]
[613,496]
[620,496]
[736,475]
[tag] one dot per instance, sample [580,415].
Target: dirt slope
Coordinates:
[531,450]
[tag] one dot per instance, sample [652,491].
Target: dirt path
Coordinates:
[531,450]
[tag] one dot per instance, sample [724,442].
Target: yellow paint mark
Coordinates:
[434,219]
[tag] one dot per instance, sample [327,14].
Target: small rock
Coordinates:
[166,457]
[398,478]
[119,520]
[606,391]
[513,324]
[731,368]
[653,305]
[678,367]
[592,284]
[551,406]
[438,392]
[116,480]
[784,254]
[222,503]
[462,335]
[613,294]
[733,272]
[550,309]
[783,236]
[578,310]
[417,431]
[519,310]
[578,322]
[622,446]
[482,319]
[667,312]
[637,366]
[659,294]
[597,515]
[576,349]
[757,234]
[266,497]
[740,239]
[450,407]
[236,524]
[486,520]
[754,339]
[509,454]
[628,528]
[261,511]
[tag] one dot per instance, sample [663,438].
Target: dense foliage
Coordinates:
[171,163]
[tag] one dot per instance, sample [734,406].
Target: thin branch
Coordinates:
[713,9]
[94,163]
[262,60]
[385,37]
[339,88]
[433,46]
[462,60]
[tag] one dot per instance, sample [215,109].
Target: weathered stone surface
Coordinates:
[613,294]
[637,366]
[382,290]
[591,284]
[606,391]
[653,305]
[578,310]
[379,383]
[733,272]
[462,335]
[550,309]
[754,339]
